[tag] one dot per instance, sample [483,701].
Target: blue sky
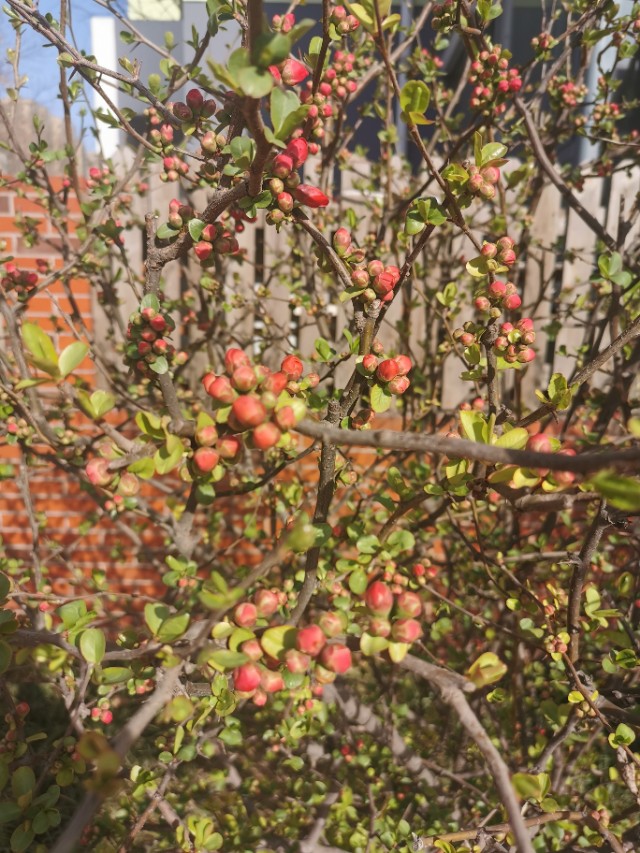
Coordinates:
[39,62]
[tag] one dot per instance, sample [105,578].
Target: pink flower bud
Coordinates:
[336,658]
[310,640]
[406,630]
[245,615]
[247,677]
[379,598]
[293,72]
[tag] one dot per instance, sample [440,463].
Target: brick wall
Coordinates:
[74,536]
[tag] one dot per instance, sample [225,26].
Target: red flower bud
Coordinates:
[293,72]
[292,366]
[194,99]
[310,196]
[298,150]
[387,370]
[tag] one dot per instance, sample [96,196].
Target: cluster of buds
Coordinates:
[605,118]
[102,713]
[550,481]
[285,187]
[19,280]
[195,109]
[498,295]
[179,214]
[215,238]
[565,93]
[543,44]
[513,342]
[163,136]
[371,280]
[100,178]
[263,606]
[389,372]
[483,181]
[393,616]
[211,143]
[251,402]
[174,168]
[283,23]
[153,116]
[147,332]
[18,429]
[338,82]
[444,16]
[494,80]
[503,251]
[427,63]
[343,21]
[315,650]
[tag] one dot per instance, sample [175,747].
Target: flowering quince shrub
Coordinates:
[375,619]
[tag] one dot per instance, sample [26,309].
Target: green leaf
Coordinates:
[401,540]
[380,398]
[196,227]
[115,674]
[622,492]
[23,781]
[559,392]
[398,651]
[166,232]
[21,839]
[623,736]
[150,424]
[487,669]
[93,645]
[323,349]
[150,300]
[531,786]
[5,586]
[40,346]
[160,365]
[102,402]
[474,426]
[173,628]
[271,49]
[5,656]
[492,151]
[370,645]
[222,659]
[489,10]
[9,812]
[71,357]
[282,105]
[515,439]
[358,582]
[364,15]
[414,101]
[169,456]
[71,613]
[275,641]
